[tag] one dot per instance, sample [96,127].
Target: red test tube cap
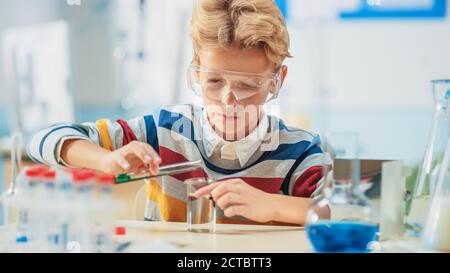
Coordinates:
[36,170]
[105,179]
[48,175]
[81,176]
[120,230]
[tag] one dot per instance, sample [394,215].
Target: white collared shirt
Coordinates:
[241,149]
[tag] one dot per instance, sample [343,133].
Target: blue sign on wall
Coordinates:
[283,5]
[411,10]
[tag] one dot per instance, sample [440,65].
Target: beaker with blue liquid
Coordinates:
[342,220]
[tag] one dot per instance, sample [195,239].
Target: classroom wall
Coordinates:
[370,76]
[92,41]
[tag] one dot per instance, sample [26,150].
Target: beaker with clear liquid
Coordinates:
[418,201]
[201,212]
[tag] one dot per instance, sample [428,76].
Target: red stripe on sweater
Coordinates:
[306,184]
[128,134]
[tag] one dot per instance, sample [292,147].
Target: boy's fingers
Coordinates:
[223,188]
[205,190]
[151,152]
[153,164]
[238,210]
[152,161]
[228,199]
[145,153]
[154,168]
[141,155]
[123,163]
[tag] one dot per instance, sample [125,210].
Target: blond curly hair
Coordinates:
[221,24]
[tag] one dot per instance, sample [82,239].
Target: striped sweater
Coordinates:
[291,162]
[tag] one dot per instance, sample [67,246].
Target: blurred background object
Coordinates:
[36,69]
[359,65]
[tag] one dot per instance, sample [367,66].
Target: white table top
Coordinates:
[174,237]
[227,238]
[148,236]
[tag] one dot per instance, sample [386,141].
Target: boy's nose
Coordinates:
[229,98]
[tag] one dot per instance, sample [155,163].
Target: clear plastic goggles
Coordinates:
[246,88]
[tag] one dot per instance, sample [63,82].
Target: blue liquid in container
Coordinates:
[341,236]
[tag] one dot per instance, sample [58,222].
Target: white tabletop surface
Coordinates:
[145,236]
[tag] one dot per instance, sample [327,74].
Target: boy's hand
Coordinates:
[236,197]
[133,157]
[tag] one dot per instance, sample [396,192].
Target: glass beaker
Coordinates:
[343,219]
[201,212]
[417,200]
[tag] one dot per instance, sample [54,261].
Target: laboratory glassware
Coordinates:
[201,212]
[171,169]
[16,164]
[342,219]
[436,231]
[63,210]
[417,201]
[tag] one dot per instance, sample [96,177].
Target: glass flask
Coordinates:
[436,231]
[8,212]
[417,200]
[342,219]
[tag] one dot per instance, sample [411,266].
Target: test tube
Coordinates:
[26,222]
[171,169]
[104,216]
[48,237]
[83,188]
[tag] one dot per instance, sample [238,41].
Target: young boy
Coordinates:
[269,173]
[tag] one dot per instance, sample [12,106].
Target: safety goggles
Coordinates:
[247,88]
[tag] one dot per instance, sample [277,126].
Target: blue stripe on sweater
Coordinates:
[41,144]
[152,135]
[178,123]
